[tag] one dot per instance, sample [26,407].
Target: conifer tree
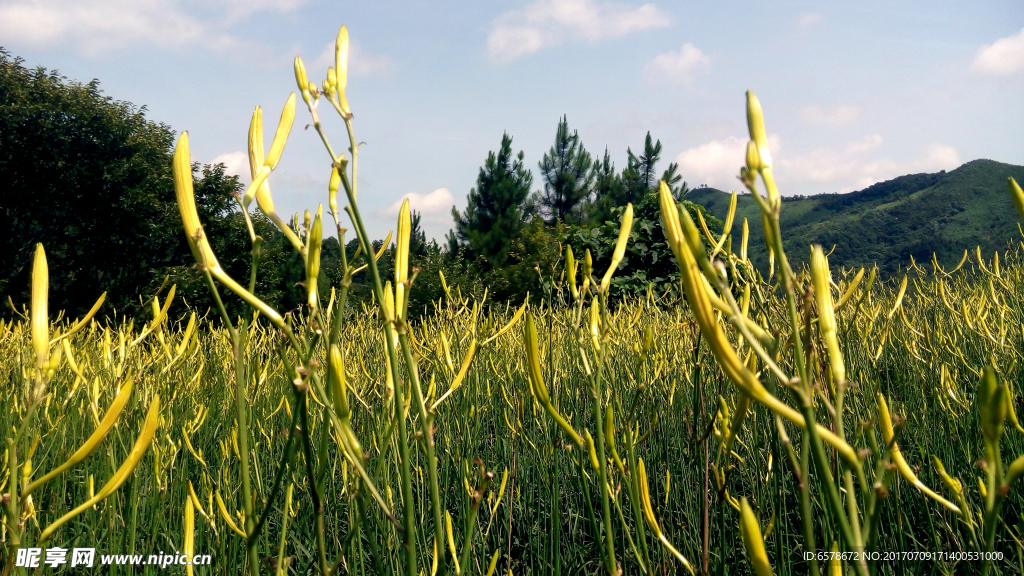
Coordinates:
[567,176]
[496,208]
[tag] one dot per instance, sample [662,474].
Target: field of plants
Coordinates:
[811,422]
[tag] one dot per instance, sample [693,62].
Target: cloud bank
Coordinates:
[547,23]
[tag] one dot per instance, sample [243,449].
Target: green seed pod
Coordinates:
[991,407]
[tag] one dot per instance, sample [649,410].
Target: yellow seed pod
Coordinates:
[332,190]
[402,257]
[121,475]
[570,269]
[835,565]
[826,314]
[189,544]
[187,205]
[670,220]
[87,448]
[753,157]
[494,563]
[590,449]
[645,499]
[588,268]
[595,324]
[625,228]
[953,484]
[284,127]
[341,69]
[753,541]
[885,421]
[1017,195]
[339,386]
[313,243]
[40,314]
[755,125]
[533,360]
[743,242]
[302,80]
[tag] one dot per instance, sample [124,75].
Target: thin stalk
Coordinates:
[427,429]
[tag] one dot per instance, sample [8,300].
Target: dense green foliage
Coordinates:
[890,222]
[91,177]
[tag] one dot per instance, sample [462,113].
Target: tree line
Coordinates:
[90,178]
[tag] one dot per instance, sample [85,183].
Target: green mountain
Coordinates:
[887,223]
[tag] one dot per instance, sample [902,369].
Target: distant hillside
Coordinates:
[888,222]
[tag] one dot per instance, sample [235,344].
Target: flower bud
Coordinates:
[339,387]
[341,69]
[332,189]
[1017,195]
[826,314]
[588,268]
[570,269]
[40,316]
[302,80]
[755,125]
[620,246]
[753,542]
[402,257]
[753,157]
[313,242]
[991,405]
[284,127]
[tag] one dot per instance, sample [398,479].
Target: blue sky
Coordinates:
[854,93]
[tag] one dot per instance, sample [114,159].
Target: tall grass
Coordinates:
[584,434]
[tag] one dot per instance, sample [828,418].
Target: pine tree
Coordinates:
[639,176]
[608,191]
[566,171]
[495,209]
[679,191]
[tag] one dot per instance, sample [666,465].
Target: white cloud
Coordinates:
[100,26]
[829,115]
[360,63]
[806,20]
[548,22]
[235,164]
[677,67]
[844,169]
[865,144]
[717,163]
[848,169]
[1003,57]
[436,205]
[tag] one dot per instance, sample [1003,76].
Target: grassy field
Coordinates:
[750,426]
[926,365]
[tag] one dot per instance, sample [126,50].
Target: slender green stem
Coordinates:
[427,430]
